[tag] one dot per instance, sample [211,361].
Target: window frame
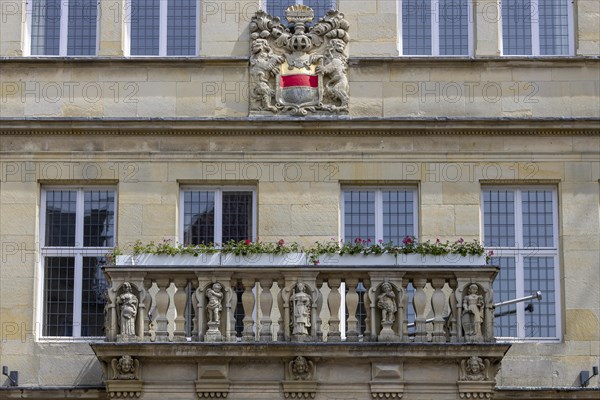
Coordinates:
[218,189]
[162,32]
[76,252]
[64,31]
[535,33]
[519,252]
[435,32]
[379,207]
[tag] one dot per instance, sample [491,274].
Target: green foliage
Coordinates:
[409,245]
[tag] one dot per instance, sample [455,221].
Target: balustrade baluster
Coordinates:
[333,301]
[438,301]
[266,304]
[352,328]
[248,334]
[367,335]
[419,303]
[180,300]
[162,305]
[453,284]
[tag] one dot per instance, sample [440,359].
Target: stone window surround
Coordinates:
[378,207]
[535,32]
[519,253]
[218,189]
[64,28]
[78,252]
[435,49]
[162,31]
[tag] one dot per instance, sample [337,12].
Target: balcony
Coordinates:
[299,332]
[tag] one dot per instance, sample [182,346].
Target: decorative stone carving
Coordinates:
[299,69]
[213,309]
[475,380]
[386,381]
[127,303]
[335,64]
[213,381]
[387,303]
[126,375]
[301,306]
[472,314]
[214,306]
[300,382]
[474,369]
[125,368]
[301,369]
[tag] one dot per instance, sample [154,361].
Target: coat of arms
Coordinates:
[301,67]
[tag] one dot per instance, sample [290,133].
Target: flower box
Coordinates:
[176,260]
[357,259]
[442,260]
[257,260]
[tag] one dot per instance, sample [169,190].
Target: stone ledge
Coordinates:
[272,350]
[290,126]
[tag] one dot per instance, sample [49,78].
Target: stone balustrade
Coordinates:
[182,303]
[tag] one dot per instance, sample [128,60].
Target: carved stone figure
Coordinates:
[300,302]
[125,368]
[214,306]
[285,62]
[335,65]
[386,302]
[128,305]
[263,65]
[472,314]
[301,369]
[474,369]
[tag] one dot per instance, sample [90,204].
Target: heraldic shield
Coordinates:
[299,87]
[301,67]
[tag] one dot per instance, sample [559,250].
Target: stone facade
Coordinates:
[446,126]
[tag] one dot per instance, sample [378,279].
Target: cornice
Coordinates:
[240,61]
[289,126]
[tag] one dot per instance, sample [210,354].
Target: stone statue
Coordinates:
[125,368]
[386,302]
[128,305]
[301,369]
[335,65]
[472,313]
[263,64]
[301,308]
[214,306]
[474,369]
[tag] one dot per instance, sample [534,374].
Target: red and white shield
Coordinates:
[298,86]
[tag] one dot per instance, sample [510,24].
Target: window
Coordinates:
[78,230]
[520,226]
[277,7]
[387,214]
[537,27]
[163,27]
[218,215]
[436,27]
[63,27]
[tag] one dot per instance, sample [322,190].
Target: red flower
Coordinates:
[407,240]
[281,242]
[247,242]
[357,240]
